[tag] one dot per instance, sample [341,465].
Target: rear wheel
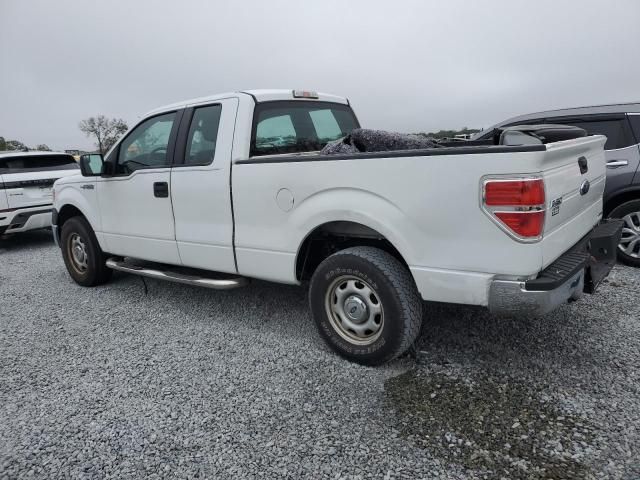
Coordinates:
[629,246]
[365,305]
[82,255]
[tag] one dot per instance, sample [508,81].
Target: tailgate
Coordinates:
[574,173]
[31,189]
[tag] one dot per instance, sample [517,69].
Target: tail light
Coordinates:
[516,205]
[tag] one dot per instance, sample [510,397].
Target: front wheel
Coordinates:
[365,305]
[82,255]
[629,246]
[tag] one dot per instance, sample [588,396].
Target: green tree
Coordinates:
[43,148]
[105,130]
[16,145]
[3,144]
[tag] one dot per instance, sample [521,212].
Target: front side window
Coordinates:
[203,134]
[299,126]
[146,146]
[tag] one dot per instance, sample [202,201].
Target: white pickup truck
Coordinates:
[26,180]
[218,190]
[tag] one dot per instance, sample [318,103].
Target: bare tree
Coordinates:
[105,130]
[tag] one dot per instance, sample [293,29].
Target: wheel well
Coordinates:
[619,199]
[67,212]
[331,237]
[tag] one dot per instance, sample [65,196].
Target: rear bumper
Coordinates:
[578,271]
[16,220]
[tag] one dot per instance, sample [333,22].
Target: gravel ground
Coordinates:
[185,382]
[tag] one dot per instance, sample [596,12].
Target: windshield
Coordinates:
[299,126]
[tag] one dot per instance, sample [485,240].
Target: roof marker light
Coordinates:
[305,94]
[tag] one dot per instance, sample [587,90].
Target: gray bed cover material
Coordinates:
[365,140]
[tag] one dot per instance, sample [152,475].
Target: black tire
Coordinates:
[620,212]
[397,325]
[94,271]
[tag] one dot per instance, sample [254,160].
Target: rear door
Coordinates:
[27,180]
[200,186]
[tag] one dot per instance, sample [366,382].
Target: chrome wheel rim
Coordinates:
[630,239]
[78,253]
[355,310]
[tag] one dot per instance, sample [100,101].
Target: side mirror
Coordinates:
[91,164]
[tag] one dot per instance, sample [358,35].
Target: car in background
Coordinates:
[26,179]
[620,123]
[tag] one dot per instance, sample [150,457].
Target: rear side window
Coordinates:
[203,134]
[30,163]
[299,126]
[616,130]
[634,120]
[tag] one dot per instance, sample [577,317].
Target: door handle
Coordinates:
[617,163]
[161,189]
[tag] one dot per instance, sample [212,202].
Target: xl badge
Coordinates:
[584,187]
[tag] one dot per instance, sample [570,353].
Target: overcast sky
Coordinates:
[405,65]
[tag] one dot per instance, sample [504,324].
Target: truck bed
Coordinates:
[427,203]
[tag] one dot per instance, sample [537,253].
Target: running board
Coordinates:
[176,274]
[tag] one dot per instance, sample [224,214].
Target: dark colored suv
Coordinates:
[621,125]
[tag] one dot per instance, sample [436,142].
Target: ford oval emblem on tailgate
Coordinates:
[584,187]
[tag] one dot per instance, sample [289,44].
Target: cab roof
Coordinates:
[265,95]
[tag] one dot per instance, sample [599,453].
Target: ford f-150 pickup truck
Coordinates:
[218,190]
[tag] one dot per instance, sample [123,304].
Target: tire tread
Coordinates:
[404,286]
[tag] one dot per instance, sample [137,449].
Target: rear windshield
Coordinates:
[28,163]
[299,126]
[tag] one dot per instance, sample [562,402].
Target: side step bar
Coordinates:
[165,272]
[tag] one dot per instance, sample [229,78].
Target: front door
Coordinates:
[135,203]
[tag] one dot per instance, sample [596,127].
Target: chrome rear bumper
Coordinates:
[512,298]
[578,271]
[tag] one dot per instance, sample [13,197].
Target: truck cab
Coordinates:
[163,194]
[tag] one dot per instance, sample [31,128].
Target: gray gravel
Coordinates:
[186,382]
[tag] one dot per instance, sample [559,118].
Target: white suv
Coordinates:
[26,179]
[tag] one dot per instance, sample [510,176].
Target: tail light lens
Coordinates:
[514,192]
[517,205]
[525,224]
